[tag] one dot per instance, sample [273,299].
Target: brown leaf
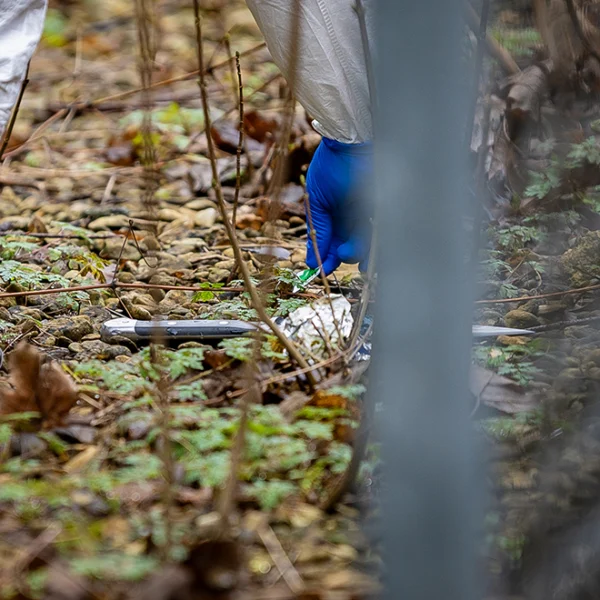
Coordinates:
[227,138]
[37,385]
[499,392]
[249,221]
[322,399]
[121,150]
[36,225]
[216,358]
[258,127]
[344,433]
[121,155]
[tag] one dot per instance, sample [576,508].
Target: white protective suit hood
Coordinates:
[331,77]
[21,25]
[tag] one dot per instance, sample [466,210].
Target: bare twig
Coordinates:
[238,154]
[588,288]
[147,54]
[56,236]
[137,246]
[13,114]
[229,495]
[345,482]
[313,237]
[37,134]
[243,267]
[165,449]
[232,65]
[131,286]
[366,291]
[282,146]
[280,558]
[119,96]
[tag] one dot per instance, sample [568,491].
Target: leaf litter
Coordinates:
[88,495]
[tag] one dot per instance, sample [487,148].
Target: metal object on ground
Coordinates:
[199,329]
[484,331]
[310,325]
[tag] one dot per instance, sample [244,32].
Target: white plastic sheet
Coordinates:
[331,77]
[21,24]
[319,325]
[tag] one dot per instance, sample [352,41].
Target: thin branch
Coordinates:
[238,154]
[13,114]
[164,82]
[366,291]
[292,350]
[282,146]
[147,54]
[57,236]
[37,134]
[133,286]
[313,237]
[229,495]
[345,482]
[281,560]
[588,288]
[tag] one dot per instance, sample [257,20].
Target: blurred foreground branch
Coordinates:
[257,304]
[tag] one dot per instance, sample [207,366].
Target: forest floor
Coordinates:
[95,504]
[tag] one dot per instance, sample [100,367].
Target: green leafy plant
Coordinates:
[80,259]
[241,349]
[207,293]
[587,151]
[12,271]
[270,494]
[516,237]
[511,361]
[114,566]
[10,249]
[544,182]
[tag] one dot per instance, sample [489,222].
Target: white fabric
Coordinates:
[21,24]
[331,78]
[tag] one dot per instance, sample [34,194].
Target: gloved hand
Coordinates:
[340,219]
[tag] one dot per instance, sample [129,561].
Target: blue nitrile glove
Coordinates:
[341,221]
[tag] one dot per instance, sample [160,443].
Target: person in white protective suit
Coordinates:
[330,82]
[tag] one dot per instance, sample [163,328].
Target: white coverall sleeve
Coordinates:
[331,75]
[21,25]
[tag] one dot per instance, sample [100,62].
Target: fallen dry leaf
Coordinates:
[258,127]
[37,385]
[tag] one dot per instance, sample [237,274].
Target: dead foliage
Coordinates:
[36,384]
